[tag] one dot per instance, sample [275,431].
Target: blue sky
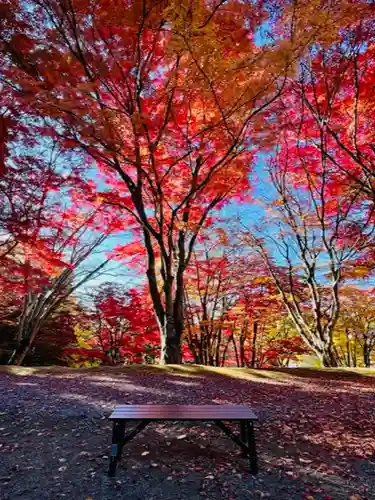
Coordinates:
[249,214]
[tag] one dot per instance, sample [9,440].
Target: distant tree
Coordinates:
[280,344]
[57,332]
[355,330]
[211,290]
[43,282]
[319,232]
[334,93]
[118,326]
[233,309]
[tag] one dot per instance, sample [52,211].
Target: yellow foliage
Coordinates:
[360,271]
[82,337]
[75,362]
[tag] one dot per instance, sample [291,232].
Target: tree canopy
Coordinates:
[145,123]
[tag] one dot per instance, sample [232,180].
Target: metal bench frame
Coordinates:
[217,414]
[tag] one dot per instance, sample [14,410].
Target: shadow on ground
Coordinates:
[315,436]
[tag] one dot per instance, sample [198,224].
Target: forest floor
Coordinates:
[315,437]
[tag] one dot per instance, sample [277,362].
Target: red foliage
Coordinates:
[279,352]
[122,327]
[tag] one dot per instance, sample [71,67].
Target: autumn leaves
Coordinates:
[173,100]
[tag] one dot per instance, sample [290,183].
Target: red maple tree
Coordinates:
[167,102]
[119,327]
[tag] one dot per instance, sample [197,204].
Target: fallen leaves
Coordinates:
[294,450]
[291,474]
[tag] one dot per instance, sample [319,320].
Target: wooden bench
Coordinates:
[124,414]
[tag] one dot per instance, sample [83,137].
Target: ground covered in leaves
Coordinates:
[316,435]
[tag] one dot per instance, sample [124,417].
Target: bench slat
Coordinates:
[183,412]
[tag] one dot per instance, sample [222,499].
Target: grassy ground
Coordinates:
[316,434]
[191,370]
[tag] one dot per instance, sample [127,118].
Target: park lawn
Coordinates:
[192,370]
[315,434]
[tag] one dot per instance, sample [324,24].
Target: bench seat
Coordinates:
[218,414]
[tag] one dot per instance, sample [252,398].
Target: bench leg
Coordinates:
[243,436]
[118,435]
[252,448]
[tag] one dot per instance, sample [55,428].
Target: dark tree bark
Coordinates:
[328,359]
[243,337]
[253,344]
[366,356]
[21,351]
[348,347]
[368,345]
[236,351]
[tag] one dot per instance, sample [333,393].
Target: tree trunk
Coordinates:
[236,352]
[328,357]
[243,337]
[242,351]
[19,354]
[193,344]
[366,352]
[354,352]
[170,352]
[170,349]
[253,346]
[25,341]
[347,348]
[218,345]
[169,317]
[366,357]
[225,351]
